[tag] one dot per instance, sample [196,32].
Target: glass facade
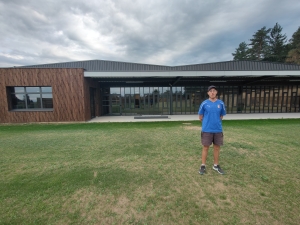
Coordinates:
[186,100]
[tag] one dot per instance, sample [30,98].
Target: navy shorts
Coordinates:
[208,138]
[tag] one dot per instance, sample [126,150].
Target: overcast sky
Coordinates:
[161,32]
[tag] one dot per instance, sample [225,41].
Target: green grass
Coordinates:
[147,173]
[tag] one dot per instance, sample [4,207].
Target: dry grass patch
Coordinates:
[192,128]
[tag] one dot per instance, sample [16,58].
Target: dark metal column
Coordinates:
[171,100]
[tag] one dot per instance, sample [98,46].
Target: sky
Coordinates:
[160,32]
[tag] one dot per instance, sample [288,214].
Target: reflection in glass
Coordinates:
[32,89]
[131,101]
[115,104]
[146,90]
[127,90]
[178,100]
[33,101]
[156,90]
[176,90]
[115,90]
[18,89]
[165,100]
[155,100]
[122,91]
[47,101]
[165,90]
[141,91]
[47,89]
[31,97]
[18,101]
[127,101]
[188,99]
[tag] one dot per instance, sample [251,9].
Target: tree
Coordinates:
[270,45]
[294,54]
[277,49]
[242,52]
[295,40]
[259,43]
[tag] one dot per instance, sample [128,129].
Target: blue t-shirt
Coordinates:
[211,112]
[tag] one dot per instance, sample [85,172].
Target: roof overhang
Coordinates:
[192,74]
[192,78]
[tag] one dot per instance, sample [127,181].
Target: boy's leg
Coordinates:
[206,140]
[216,165]
[216,154]
[204,154]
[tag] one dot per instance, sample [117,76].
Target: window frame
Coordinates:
[40,92]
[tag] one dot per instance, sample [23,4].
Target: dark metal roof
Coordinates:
[103,65]
[238,66]
[113,66]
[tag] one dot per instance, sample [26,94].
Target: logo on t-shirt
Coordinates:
[219,106]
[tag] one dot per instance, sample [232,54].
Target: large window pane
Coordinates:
[47,101]
[122,92]
[33,101]
[18,101]
[141,91]
[115,90]
[127,101]
[127,90]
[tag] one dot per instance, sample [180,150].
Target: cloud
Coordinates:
[161,32]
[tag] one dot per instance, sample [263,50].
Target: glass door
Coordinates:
[115,104]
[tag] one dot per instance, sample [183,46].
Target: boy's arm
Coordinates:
[200,117]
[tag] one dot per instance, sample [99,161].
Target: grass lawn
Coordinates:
[147,173]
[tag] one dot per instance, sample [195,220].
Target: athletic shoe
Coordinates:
[218,169]
[202,170]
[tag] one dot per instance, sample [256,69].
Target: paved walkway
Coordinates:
[249,116]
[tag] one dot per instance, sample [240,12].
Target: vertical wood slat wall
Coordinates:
[69,88]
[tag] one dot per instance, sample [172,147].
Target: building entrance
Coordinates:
[136,101]
[115,104]
[145,104]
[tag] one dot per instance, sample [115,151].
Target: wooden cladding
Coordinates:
[69,88]
[89,83]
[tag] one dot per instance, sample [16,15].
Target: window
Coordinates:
[30,98]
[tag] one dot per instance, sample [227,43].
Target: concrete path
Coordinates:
[104,119]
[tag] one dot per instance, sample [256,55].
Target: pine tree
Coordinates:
[260,44]
[242,52]
[277,49]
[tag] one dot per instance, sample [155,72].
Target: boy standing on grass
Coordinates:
[211,112]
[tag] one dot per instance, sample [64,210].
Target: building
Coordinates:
[79,91]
